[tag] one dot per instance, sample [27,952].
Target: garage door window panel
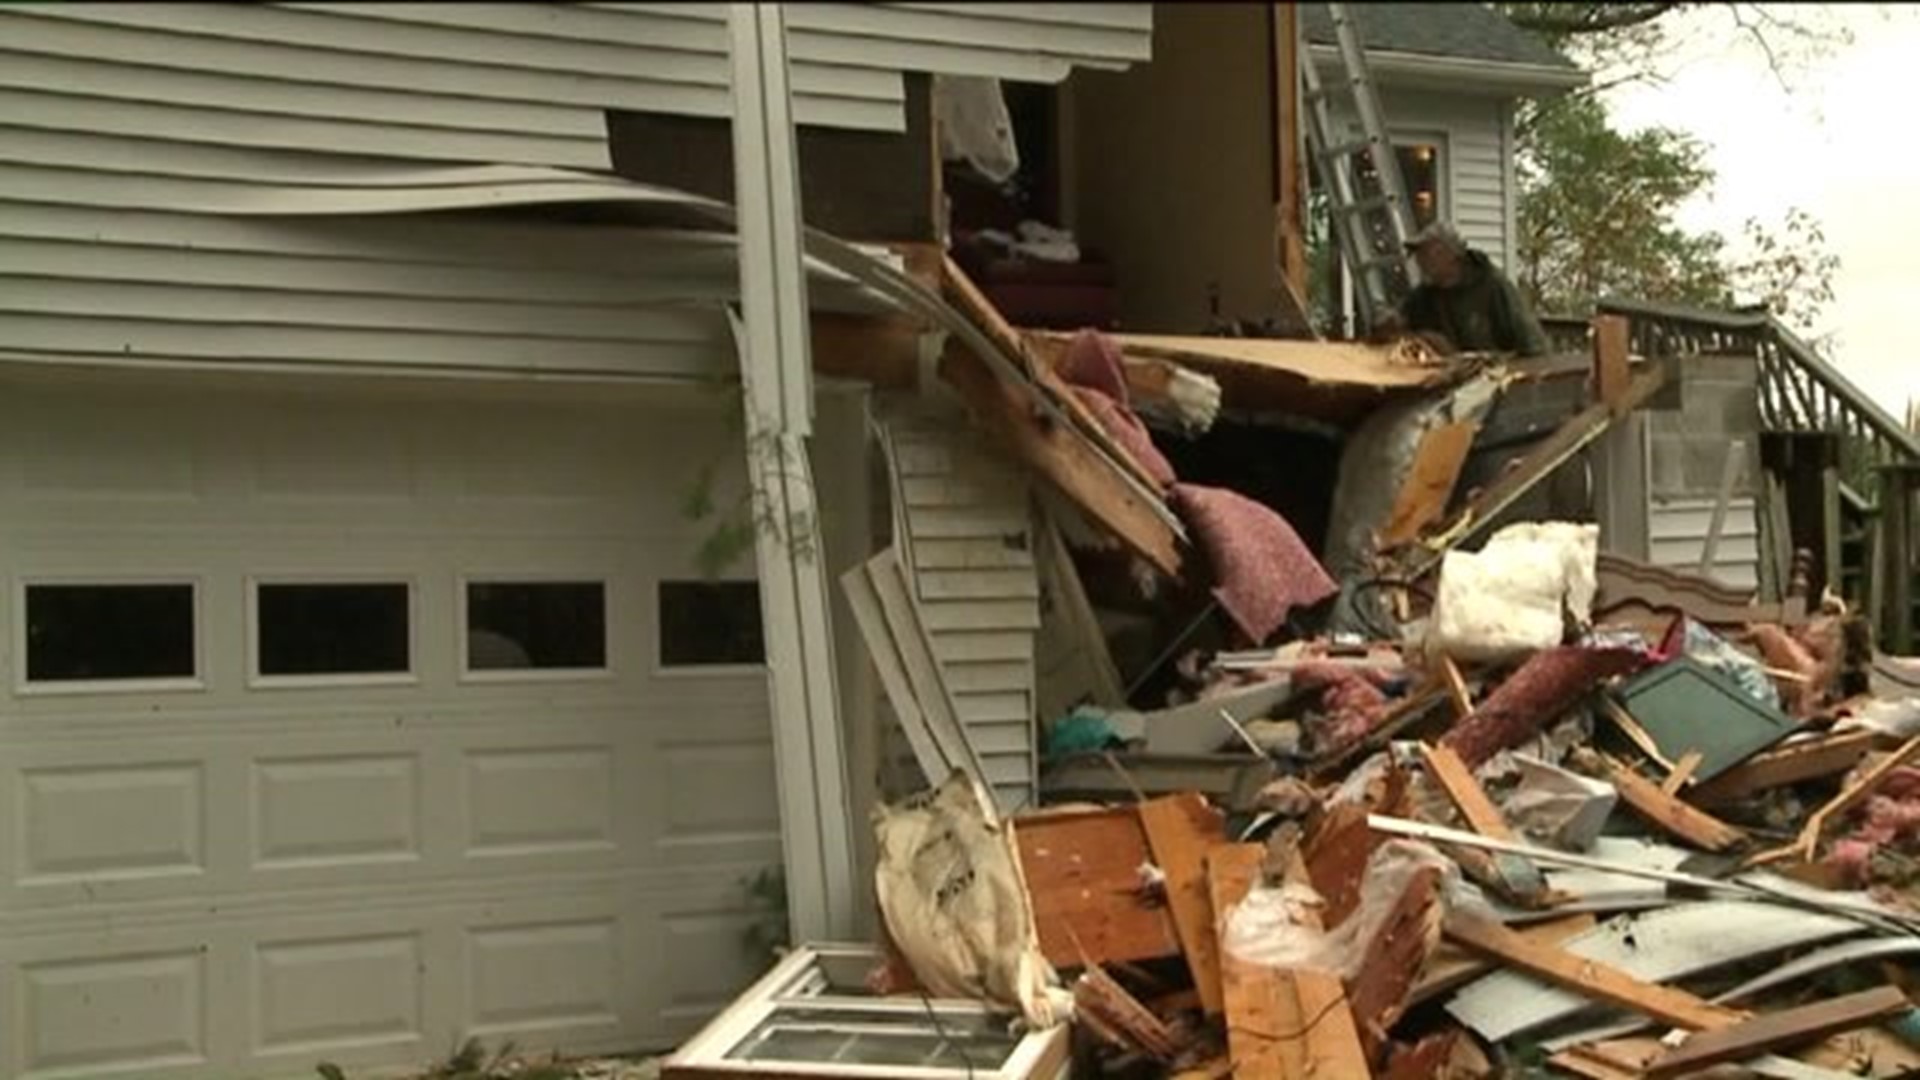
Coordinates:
[710,627]
[332,632]
[523,629]
[80,636]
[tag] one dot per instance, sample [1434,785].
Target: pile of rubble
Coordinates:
[1524,837]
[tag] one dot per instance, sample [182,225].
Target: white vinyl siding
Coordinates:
[516,83]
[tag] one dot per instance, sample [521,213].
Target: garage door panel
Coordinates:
[247,876]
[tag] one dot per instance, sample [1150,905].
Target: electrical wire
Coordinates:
[1302,1032]
[941,1030]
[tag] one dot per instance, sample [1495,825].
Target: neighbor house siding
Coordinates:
[1475,194]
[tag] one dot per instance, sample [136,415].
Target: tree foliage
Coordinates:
[1599,207]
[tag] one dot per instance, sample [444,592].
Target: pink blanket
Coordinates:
[1262,568]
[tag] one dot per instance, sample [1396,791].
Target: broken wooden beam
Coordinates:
[1431,477]
[1603,983]
[1790,763]
[1065,458]
[1466,794]
[1779,1030]
[1676,818]
[1393,960]
[1180,830]
[1612,363]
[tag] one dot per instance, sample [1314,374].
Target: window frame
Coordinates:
[464,671]
[257,680]
[26,687]
[664,670]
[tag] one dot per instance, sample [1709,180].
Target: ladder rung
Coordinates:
[1340,150]
[1376,202]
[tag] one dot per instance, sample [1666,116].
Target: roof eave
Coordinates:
[1485,76]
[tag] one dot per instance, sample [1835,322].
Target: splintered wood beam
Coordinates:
[1118,1016]
[1644,797]
[1792,763]
[1180,830]
[1780,1030]
[963,294]
[1013,413]
[1453,776]
[1590,978]
[1519,478]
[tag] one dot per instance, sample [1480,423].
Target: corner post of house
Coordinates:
[772,335]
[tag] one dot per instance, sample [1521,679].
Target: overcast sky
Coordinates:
[1832,142]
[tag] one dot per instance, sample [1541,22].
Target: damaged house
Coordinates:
[498,494]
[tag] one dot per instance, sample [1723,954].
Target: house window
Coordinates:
[101,632]
[333,628]
[536,625]
[1419,171]
[710,623]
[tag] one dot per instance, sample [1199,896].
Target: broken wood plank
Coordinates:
[1431,477]
[1393,959]
[1454,966]
[1468,797]
[1695,826]
[1683,771]
[1337,854]
[963,294]
[1180,830]
[1082,870]
[1849,797]
[1612,364]
[1424,1060]
[1065,458]
[1780,1030]
[1601,982]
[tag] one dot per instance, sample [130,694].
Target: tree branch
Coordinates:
[1596,19]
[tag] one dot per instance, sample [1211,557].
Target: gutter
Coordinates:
[1428,68]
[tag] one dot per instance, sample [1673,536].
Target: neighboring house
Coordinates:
[1451,78]
[364,692]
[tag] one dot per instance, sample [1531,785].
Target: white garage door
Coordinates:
[337,726]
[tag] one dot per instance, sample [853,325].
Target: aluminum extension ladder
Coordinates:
[1369,212]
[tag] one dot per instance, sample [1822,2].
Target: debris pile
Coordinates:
[1580,816]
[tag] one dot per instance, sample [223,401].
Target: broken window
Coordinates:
[333,628]
[536,625]
[710,624]
[813,1014]
[98,632]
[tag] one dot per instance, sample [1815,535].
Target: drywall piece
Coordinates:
[1685,705]
[1196,728]
[1652,946]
